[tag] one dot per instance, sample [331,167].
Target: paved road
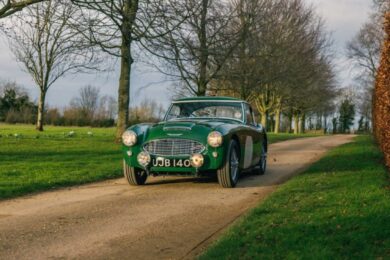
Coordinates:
[169,218]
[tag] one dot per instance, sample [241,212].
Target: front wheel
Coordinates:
[263,159]
[228,174]
[134,176]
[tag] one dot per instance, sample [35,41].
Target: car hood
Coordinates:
[189,129]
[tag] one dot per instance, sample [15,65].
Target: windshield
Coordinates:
[205,110]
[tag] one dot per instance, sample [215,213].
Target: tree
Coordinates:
[365,48]
[87,102]
[14,99]
[347,115]
[115,26]
[107,107]
[42,39]
[9,7]
[282,64]
[194,51]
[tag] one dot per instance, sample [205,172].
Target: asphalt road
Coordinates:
[169,218]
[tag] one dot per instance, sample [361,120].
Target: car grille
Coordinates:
[173,147]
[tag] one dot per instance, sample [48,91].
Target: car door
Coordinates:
[253,140]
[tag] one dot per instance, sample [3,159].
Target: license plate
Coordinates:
[163,162]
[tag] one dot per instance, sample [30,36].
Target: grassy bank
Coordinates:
[338,209]
[60,156]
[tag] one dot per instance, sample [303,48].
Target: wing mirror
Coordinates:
[260,126]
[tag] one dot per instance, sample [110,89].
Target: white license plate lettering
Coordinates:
[187,163]
[162,162]
[179,163]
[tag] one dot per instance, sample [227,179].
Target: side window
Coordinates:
[249,115]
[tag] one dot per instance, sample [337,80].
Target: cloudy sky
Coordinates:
[343,18]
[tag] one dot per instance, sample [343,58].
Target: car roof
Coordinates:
[209,98]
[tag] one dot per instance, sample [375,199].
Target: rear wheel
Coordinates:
[134,176]
[228,174]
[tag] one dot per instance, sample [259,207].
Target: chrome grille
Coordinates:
[173,147]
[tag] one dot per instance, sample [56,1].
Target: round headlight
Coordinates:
[197,160]
[143,158]
[129,138]
[214,139]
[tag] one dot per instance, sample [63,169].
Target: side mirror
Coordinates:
[260,126]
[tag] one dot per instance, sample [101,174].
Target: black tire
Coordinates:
[230,171]
[263,160]
[134,176]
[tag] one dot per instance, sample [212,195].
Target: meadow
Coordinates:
[32,161]
[58,157]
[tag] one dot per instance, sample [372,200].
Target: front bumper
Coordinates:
[210,161]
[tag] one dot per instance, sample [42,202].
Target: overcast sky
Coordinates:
[343,18]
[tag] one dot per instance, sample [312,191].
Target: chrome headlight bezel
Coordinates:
[214,139]
[197,160]
[143,158]
[129,138]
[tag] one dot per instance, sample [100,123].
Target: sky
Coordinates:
[343,18]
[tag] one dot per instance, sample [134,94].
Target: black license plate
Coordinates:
[164,162]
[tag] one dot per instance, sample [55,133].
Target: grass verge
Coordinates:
[338,209]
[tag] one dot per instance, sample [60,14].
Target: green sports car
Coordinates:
[198,136]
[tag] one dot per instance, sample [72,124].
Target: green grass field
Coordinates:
[337,209]
[31,161]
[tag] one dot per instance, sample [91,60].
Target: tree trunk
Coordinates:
[325,125]
[302,123]
[41,111]
[264,119]
[296,123]
[204,55]
[277,121]
[124,89]
[290,120]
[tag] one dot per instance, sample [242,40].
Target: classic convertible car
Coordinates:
[198,136]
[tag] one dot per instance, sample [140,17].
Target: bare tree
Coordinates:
[282,62]
[87,102]
[107,107]
[196,50]
[9,7]
[115,26]
[42,40]
[364,49]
